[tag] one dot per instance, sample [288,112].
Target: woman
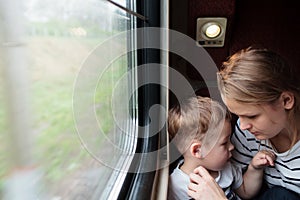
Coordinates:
[264,92]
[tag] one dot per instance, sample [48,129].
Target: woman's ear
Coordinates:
[196,149]
[288,99]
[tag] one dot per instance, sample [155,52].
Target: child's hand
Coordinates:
[263,159]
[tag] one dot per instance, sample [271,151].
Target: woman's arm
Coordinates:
[203,186]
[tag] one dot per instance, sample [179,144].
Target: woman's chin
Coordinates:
[260,137]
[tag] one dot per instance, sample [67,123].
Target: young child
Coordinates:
[200,128]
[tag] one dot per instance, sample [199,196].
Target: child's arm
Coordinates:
[253,177]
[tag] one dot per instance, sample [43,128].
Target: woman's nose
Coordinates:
[244,125]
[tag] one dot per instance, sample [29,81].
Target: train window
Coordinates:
[68,108]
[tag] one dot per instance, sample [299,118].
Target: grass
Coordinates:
[53,64]
[57,142]
[104,93]
[4,156]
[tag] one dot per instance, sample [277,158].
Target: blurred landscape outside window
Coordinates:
[59,36]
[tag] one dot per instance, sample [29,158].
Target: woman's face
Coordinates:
[264,121]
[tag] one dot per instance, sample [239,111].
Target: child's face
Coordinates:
[220,154]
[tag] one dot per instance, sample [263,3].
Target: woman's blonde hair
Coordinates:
[259,76]
[193,119]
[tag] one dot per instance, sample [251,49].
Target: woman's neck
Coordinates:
[283,141]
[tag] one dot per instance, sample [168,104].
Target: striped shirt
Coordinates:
[285,173]
[228,179]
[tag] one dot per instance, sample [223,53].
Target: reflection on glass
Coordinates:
[60,35]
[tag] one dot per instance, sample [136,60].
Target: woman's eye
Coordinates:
[252,117]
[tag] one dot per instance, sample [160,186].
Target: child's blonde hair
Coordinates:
[193,119]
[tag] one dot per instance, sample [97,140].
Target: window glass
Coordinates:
[74,155]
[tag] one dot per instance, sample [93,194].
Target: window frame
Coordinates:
[140,184]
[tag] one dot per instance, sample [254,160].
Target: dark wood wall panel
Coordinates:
[211,8]
[271,24]
[268,23]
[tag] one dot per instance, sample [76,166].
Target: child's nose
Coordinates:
[231,147]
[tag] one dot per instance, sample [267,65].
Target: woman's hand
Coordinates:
[203,186]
